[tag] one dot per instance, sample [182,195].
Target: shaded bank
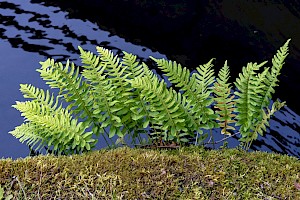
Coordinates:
[192,32]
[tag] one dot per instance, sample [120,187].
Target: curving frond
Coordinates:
[205,79]
[133,67]
[271,79]
[51,124]
[138,118]
[180,77]
[71,87]
[224,101]
[246,104]
[264,123]
[102,96]
[38,95]
[26,132]
[164,104]
[261,126]
[123,91]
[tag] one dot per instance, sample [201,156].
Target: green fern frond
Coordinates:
[271,79]
[180,77]
[139,117]
[224,100]
[37,94]
[262,125]
[246,104]
[28,133]
[113,95]
[133,67]
[196,88]
[175,72]
[140,108]
[102,96]
[123,91]
[205,79]
[56,127]
[115,69]
[162,101]
[71,87]
[91,64]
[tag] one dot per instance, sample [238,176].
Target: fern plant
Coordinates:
[225,104]
[123,97]
[47,123]
[255,92]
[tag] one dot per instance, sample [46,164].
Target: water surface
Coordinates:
[32,32]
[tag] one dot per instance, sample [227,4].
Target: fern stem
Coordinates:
[249,145]
[107,143]
[212,138]
[106,139]
[140,138]
[196,139]
[225,138]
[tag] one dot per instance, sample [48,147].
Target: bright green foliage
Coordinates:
[180,77]
[165,106]
[224,101]
[254,92]
[248,98]
[271,79]
[266,115]
[127,98]
[197,90]
[46,123]
[205,79]
[102,95]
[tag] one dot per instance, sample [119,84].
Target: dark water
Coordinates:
[31,32]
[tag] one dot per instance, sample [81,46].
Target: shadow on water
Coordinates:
[195,31]
[31,32]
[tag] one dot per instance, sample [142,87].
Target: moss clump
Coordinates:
[124,173]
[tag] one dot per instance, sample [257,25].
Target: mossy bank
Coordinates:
[125,173]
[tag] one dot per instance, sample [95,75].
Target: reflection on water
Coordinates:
[49,32]
[33,32]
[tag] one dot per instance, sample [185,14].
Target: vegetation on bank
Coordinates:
[123,98]
[111,97]
[126,173]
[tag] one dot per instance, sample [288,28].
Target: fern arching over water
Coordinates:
[255,92]
[122,97]
[46,123]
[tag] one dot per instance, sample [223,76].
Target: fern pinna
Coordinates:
[123,97]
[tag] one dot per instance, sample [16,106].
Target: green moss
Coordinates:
[124,173]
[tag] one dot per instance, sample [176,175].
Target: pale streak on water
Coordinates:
[30,33]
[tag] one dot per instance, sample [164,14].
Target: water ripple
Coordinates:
[50,32]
